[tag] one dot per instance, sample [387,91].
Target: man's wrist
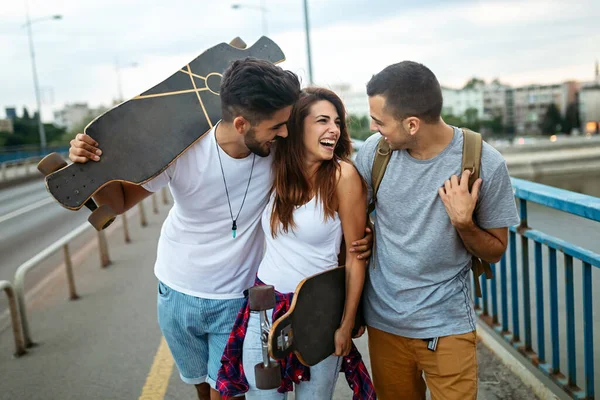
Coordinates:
[465,226]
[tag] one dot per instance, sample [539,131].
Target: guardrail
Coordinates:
[519,334]
[18,308]
[14,316]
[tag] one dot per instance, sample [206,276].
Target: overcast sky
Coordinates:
[520,42]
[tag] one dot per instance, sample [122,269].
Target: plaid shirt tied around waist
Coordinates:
[232,382]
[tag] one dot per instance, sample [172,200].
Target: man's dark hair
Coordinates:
[256,89]
[410,89]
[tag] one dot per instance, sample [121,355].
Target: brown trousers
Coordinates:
[398,364]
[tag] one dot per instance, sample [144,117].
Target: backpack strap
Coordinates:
[471,160]
[380,162]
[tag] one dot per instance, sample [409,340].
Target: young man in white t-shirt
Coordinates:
[203,264]
[211,242]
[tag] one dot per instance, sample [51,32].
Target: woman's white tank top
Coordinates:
[311,247]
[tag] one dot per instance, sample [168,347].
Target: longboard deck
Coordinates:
[315,314]
[141,137]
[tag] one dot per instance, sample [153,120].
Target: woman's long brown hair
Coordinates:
[292,185]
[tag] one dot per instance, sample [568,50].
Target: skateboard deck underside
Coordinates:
[141,137]
[313,318]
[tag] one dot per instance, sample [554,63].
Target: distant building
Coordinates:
[6,125]
[73,115]
[498,102]
[11,113]
[486,102]
[531,103]
[355,101]
[458,101]
[589,105]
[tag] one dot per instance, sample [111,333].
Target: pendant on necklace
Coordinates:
[233,229]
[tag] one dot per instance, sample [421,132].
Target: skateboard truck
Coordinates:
[268,372]
[284,340]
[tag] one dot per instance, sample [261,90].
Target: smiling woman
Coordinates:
[317,201]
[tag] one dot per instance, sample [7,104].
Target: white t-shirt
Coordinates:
[311,247]
[197,254]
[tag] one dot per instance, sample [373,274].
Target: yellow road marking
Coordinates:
[157,381]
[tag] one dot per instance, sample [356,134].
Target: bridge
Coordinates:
[85,314]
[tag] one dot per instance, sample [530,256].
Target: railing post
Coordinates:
[494,283]
[69,269]
[103,247]
[539,304]
[570,309]
[523,227]
[165,199]
[125,228]
[514,287]
[588,330]
[554,311]
[143,220]
[14,316]
[22,309]
[3,167]
[504,291]
[154,203]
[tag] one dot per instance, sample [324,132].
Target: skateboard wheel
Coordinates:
[238,42]
[102,217]
[262,298]
[51,163]
[267,377]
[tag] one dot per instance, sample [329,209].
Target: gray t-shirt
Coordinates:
[419,286]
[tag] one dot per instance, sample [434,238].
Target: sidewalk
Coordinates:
[107,344]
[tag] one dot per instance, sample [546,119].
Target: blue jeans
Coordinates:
[323,376]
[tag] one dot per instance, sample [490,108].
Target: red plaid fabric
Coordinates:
[231,380]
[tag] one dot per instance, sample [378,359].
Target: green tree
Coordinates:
[26,114]
[571,119]
[552,121]
[359,127]
[494,125]
[473,82]
[472,119]
[453,120]
[26,133]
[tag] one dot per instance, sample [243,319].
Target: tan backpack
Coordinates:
[471,160]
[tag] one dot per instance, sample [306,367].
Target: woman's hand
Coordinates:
[343,341]
[363,246]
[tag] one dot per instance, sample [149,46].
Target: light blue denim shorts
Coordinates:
[196,330]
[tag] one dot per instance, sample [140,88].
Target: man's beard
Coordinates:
[254,145]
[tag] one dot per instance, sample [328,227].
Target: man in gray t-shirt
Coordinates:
[428,225]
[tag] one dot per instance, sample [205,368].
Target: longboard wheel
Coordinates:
[267,377]
[262,298]
[102,217]
[51,163]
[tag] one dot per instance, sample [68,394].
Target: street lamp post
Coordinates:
[308,51]
[261,8]
[28,24]
[118,69]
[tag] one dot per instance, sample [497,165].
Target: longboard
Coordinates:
[141,137]
[308,327]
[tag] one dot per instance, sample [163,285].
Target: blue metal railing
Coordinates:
[15,154]
[523,309]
